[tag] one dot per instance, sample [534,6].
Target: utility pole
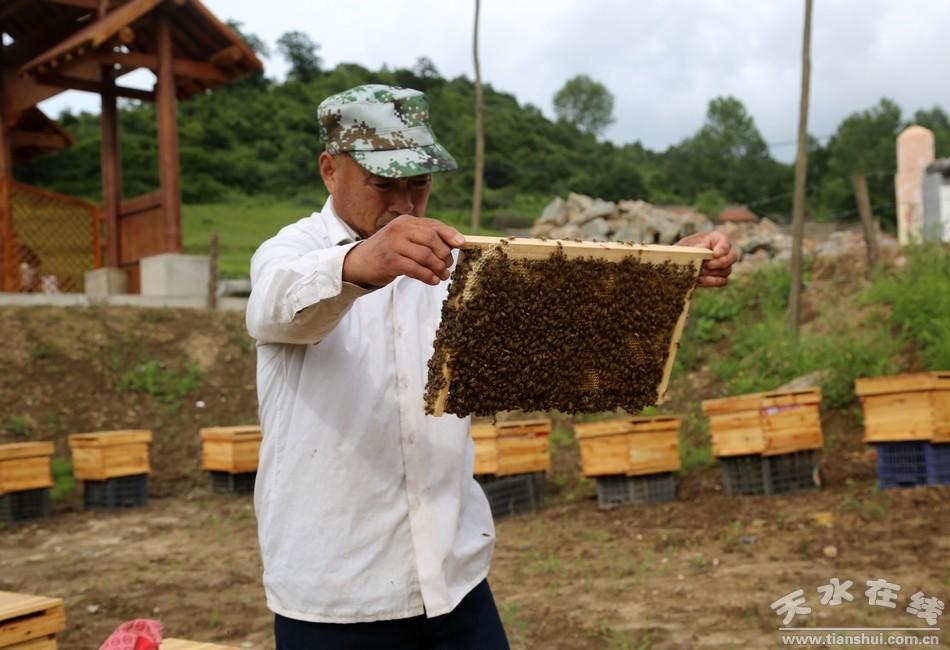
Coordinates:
[801,175]
[479,134]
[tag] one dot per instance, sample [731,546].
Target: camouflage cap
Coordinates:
[385,129]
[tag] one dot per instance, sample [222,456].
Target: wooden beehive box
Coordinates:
[514,447]
[906,407]
[632,446]
[30,622]
[109,454]
[770,423]
[182,644]
[25,466]
[230,449]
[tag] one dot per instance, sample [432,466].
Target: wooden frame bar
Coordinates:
[111,163]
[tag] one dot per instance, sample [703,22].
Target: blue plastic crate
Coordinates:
[938,463]
[902,464]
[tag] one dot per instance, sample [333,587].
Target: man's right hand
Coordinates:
[417,247]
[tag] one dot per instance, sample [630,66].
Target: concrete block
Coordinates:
[172,274]
[106,281]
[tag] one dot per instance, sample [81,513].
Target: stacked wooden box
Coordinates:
[633,459]
[182,644]
[907,419]
[766,443]
[30,622]
[25,479]
[230,455]
[114,467]
[511,461]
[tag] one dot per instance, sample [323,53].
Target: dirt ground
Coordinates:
[700,572]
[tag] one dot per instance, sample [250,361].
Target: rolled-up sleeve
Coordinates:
[298,295]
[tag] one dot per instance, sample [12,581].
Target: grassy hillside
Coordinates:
[243,224]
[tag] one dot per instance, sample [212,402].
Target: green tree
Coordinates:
[728,155]
[301,52]
[864,143]
[937,121]
[585,103]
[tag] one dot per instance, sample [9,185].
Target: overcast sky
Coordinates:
[662,59]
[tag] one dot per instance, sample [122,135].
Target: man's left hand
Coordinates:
[715,272]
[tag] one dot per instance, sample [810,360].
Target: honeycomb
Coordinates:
[574,335]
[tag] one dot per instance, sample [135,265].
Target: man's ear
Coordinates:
[327,171]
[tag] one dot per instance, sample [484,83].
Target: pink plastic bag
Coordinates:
[140,634]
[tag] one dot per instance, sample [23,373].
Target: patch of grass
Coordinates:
[18,426]
[751,316]
[63,481]
[245,223]
[43,351]
[162,383]
[561,439]
[919,299]
[694,443]
[160,315]
[511,619]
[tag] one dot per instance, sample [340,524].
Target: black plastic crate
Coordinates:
[938,463]
[24,505]
[743,475]
[902,464]
[116,493]
[228,483]
[513,495]
[790,472]
[646,488]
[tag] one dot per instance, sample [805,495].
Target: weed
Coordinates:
[43,351]
[63,481]
[510,618]
[18,426]
[164,384]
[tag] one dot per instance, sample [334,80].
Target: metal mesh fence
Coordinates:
[55,241]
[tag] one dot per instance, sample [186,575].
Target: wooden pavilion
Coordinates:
[53,45]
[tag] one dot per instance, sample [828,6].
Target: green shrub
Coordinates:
[63,481]
[919,299]
[160,382]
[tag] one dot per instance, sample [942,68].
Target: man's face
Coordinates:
[368,202]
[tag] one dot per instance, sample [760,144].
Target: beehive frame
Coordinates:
[518,249]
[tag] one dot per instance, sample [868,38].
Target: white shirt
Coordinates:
[366,507]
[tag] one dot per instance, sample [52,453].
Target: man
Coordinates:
[373,532]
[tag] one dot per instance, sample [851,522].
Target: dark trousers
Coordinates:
[473,625]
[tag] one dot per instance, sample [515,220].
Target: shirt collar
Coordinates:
[338,230]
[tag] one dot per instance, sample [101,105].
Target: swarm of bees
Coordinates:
[574,335]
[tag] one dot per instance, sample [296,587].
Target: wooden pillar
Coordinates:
[10,271]
[10,278]
[169,169]
[110,158]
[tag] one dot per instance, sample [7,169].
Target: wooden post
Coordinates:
[9,280]
[860,184]
[479,134]
[801,175]
[10,272]
[110,158]
[213,274]
[169,169]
